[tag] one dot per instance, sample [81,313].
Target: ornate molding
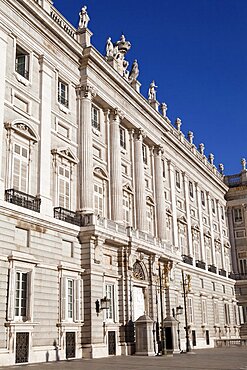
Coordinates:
[140,133]
[86,91]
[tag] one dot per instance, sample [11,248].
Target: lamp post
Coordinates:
[163,345]
[179,311]
[186,282]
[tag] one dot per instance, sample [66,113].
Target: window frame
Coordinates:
[63,95]
[237,215]
[26,64]
[95,122]
[122,135]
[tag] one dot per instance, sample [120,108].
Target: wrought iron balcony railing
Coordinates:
[22,199]
[187,259]
[201,264]
[212,268]
[222,272]
[238,276]
[66,215]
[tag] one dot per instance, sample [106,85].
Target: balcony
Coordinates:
[212,268]
[62,100]
[22,199]
[238,276]
[201,264]
[222,272]
[187,259]
[68,216]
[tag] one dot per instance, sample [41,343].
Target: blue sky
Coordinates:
[196,51]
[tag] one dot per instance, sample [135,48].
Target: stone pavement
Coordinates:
[215,359]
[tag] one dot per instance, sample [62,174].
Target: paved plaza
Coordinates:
[216,359]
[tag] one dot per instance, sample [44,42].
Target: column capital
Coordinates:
[86,91]
[158,149]
[140,134]
[117,114]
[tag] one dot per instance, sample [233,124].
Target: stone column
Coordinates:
[211,229]
[221,235]
[46,74]
[159,193]
[116,173]
[84,96]
[232,241]
[140,181]
[199,207]
[173,203]
[3,56]
[187,210]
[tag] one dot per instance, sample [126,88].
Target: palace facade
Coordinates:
[108,213]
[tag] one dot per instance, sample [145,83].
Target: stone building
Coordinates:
[108,212]
[236,209]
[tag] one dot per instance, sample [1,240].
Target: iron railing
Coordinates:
[222,272]
[187,259]
[66,215]
[201,264]
[212,268]
[63,101]
[22,199]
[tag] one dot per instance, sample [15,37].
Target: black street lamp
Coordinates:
[186,282]
[179,311]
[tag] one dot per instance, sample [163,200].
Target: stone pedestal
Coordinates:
[154,103]
[144,336]
[84,37]
[171,334]
[136,85]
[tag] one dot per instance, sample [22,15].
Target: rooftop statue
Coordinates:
[84,17]
[109,49]
[152,91]
[134,73]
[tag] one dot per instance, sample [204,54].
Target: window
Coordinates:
[144,154]
[227,313]
[63,93]
[238,215]
[213,286]
[150,219]
[202,283]
[109,292]
[191,189]
[203,198]
[64,187]
[190,310]
[95,118]
[204,311]
[20,167]
[223,289]
[177,179]
[163,168]
[70,299]
[22,62]
[216,311]
[222,213]
[127,208]
[243,266]
[213,205]
[122,137]
[99,199]
[21,294]
[240,234]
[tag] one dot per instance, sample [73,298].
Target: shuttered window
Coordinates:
[64,187]
[20,168]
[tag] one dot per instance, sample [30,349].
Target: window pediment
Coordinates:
[100,173]
[65,153]
[182,219]
[128,188]
[23,129]
[150,201]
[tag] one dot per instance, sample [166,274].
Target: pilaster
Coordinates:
[140,181]
[199,207]
[85,94]
[46,73]
[3,56]
[211,229]
[232,241]
[159,193]
[187,210]
[173,202]
[221,235]
[116,174]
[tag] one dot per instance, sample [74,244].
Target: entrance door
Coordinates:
[70,345]
[22,346]
[138,302]
[111,343]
